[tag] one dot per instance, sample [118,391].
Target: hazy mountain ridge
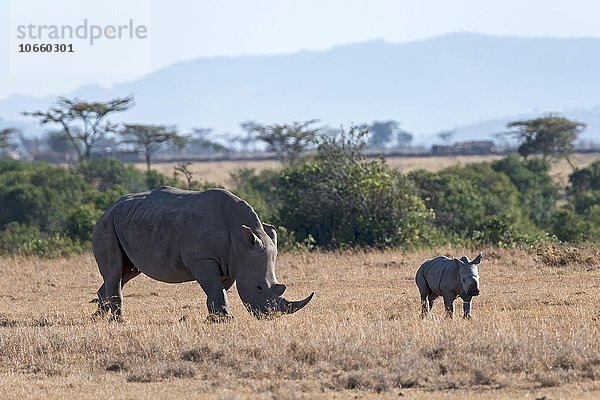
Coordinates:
[428,85]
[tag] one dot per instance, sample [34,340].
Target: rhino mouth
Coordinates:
[278,306]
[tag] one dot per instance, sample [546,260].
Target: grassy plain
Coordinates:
[535,333]
[219,171]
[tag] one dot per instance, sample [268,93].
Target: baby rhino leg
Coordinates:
[467,307]
[426,294]
[449,305]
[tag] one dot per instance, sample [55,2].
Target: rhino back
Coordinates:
[162,230]
[441,274]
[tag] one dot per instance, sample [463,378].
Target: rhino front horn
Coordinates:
[290,307]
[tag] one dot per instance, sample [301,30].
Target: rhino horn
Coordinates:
[290,307]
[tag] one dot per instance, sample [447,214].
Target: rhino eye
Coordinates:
[463,279]
[258,287]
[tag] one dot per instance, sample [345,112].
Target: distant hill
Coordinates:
[440,83]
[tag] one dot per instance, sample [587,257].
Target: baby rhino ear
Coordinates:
[478,259]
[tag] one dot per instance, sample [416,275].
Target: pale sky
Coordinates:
[186,29]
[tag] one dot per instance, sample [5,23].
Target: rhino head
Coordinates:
[256,282]
[469,274]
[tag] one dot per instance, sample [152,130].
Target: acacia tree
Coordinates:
[403,138]
[550,135]
[382,133]
[248,140]
[289,141]
[199,142]
[150,138]
[83,123]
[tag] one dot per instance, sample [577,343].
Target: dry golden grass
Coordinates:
[219,171]
[535,333]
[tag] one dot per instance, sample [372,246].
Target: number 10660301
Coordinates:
[45,48]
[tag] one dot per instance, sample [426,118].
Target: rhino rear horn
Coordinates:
[478,259]
[290,307]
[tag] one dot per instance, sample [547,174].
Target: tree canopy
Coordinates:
[289,141]
[150,138]
[83,123]
[550,135]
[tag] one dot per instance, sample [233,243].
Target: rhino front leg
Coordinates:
[449,305]
[208,275]
[467,307]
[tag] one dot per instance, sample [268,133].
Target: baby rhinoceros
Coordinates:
[449,278]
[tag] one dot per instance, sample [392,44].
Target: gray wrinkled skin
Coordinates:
[449,278]
[173,235]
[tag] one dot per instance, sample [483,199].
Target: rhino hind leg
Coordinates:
[430,299]
[103,303]
[116,270]
[427,295]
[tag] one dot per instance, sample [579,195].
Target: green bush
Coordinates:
[41,195]
[533,181]
[112,176]
[17,239]
[49,211]
[340,199]
[156,179]
[109,174]
[477,204]
[259,190]
[287,242]
[579,220]
[569,226]
[81,221]
[457,204]
[584,202]
[8,164]
[585,179]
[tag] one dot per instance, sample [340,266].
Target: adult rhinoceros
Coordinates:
[173,235]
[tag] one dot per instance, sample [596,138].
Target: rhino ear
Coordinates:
[478,259]
[249,236]
[271,232]
[465,260]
